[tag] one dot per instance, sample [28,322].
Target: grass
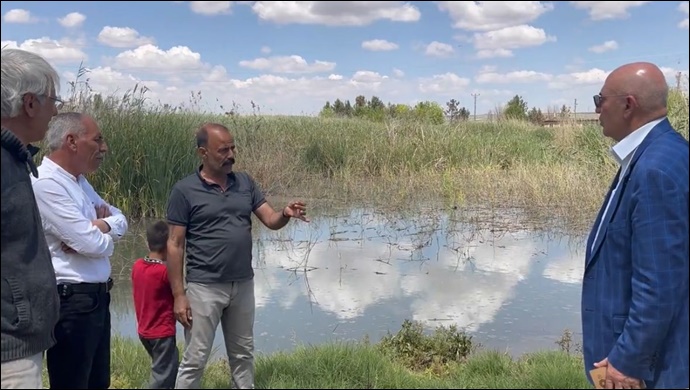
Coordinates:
[406,360]
[560,172]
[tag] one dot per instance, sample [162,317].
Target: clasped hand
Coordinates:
[616,379]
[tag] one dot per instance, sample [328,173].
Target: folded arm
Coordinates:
[117,222]
[659,271]
[64,219]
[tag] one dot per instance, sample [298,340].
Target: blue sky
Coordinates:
[290,57]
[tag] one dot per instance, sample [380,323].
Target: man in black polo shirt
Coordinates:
[210,211]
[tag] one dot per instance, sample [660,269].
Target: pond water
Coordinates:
[361,273]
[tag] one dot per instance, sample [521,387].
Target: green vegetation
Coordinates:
[559,172]
[407,359]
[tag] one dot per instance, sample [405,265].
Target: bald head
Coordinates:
[645,81]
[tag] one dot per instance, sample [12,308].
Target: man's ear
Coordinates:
[201,151]
[71,142]
[30,105]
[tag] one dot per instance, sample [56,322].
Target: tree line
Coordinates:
[375,109]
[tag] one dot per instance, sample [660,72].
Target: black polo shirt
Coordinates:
[219,224]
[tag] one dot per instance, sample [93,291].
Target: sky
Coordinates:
[290,57]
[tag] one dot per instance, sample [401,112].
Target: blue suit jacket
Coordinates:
[635,285]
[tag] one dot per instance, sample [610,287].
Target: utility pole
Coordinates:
[475,105]
[678,75]
[575,109]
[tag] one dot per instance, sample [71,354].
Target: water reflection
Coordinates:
[362,273]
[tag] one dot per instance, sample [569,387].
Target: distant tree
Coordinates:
[456,113]
[535,116]
[327,111]
[430,112]
[360,101]
[516,108]
[348,110]
[399,110]
[376,104]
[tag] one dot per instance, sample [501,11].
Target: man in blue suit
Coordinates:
[635,285]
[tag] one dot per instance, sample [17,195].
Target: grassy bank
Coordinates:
[407,359]
[564,170]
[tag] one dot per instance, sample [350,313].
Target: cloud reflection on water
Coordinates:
[431,269]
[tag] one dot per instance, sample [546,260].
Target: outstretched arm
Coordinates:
[278,219]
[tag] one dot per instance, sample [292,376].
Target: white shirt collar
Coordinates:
[625,148]
[53,166]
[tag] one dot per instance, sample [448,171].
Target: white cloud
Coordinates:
[379,45]
[64,51]
[122,37]
[171,75]
[494,53]
[336,13]
[594,76]
[439,49]
[302,82]
[288,64]
[553,81]
[448,83]
[683,7]
[210,7]
[367,77]
[487,68]
[520,76]
[603,10]
[151,58]
[297,94]
[486,16]
[108,80]
[500,43]
[72,19]
[19,16]
[604,47]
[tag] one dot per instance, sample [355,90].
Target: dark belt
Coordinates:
[67,289]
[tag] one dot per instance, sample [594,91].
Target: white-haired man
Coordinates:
[81,229]
[30,304]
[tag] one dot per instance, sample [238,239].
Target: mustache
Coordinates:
[229,162]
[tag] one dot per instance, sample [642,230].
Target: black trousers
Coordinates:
[81,357]
[165,360]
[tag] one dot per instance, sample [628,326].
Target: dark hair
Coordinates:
[157,236]
[202,133]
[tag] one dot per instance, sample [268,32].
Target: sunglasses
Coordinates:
[599,99]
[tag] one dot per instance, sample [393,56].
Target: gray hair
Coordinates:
[61,126]
[24,72]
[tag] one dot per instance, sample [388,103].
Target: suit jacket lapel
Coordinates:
[592,234]
[661,128]
[606,218]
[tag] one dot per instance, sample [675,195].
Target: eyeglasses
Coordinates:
[59,103]
[599,99]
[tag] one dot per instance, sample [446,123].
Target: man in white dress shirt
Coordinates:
[81,229]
